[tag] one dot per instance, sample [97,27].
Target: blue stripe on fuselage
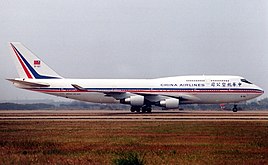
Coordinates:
[154,89]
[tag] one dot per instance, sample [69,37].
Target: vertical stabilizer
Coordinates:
[29,65]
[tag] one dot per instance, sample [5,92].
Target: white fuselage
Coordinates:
[188,89]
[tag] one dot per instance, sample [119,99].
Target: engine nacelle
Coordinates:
[170,103]
[135,100]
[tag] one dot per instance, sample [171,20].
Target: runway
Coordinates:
[124,115]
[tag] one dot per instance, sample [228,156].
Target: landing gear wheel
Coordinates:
[135,109]
[147,109]
[235,108]
[143,109]
[132,109]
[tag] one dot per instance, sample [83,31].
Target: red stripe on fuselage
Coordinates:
[22,64]
[153,91]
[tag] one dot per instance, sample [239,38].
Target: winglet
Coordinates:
[78,87]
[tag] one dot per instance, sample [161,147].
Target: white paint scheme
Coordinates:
[166,92]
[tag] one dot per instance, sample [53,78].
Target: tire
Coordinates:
[234,109]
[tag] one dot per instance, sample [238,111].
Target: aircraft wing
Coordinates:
[118,95]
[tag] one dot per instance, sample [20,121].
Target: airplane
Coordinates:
[140,94]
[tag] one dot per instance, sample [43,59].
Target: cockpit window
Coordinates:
[246,81]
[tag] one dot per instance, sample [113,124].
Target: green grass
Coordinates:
[112,142]
[129,158]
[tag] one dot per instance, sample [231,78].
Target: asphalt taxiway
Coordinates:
[124,115]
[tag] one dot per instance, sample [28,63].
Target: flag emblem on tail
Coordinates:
[37,63]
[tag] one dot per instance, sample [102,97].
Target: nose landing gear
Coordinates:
[235,108]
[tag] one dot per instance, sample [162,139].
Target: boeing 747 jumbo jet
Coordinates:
[140,94]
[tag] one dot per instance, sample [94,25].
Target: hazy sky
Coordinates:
[136,38]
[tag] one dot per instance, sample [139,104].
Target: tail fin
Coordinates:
[29,65]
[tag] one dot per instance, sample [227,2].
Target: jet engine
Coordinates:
[170,103]
[134,100]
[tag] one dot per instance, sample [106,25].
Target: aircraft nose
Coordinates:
[261,91]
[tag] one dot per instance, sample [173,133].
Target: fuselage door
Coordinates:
[207,81]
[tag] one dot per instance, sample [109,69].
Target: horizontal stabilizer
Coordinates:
[27,83]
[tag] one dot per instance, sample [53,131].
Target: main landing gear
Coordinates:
[144,109]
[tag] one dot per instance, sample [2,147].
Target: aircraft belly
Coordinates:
[207,98]
[213,98]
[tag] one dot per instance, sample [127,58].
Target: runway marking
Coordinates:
[99,115]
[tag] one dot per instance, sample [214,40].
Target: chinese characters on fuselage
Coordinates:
[213,84]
